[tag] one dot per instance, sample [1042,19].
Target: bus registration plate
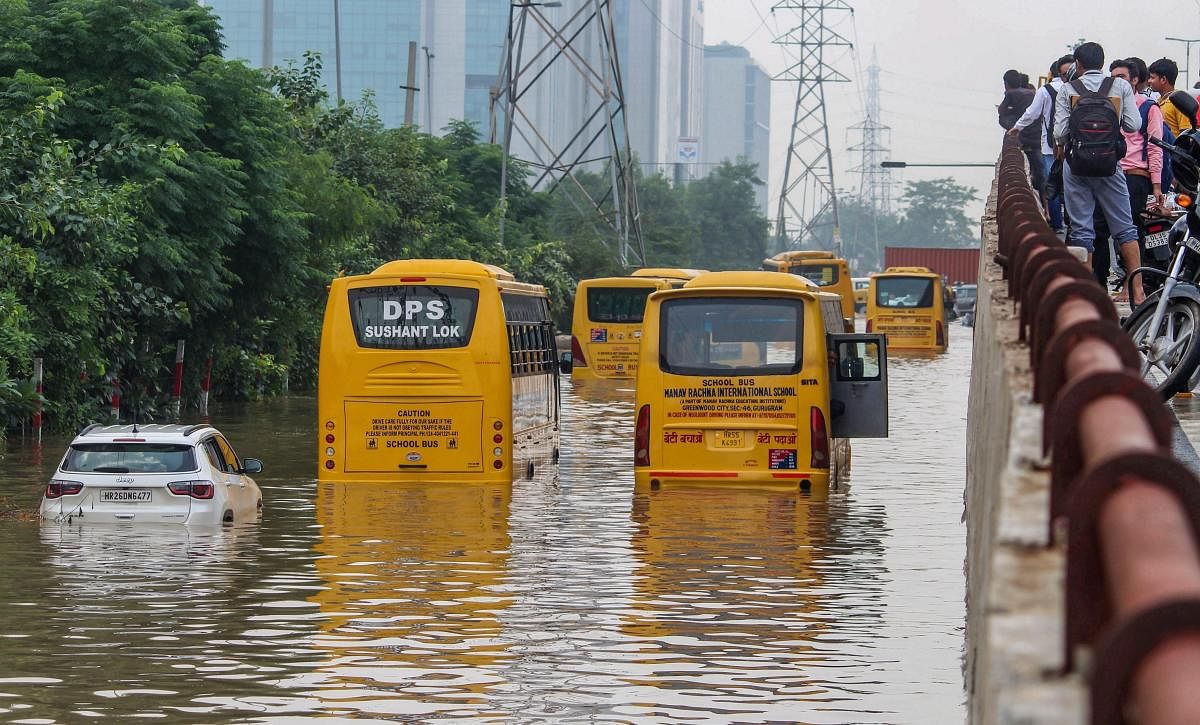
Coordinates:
[731,438]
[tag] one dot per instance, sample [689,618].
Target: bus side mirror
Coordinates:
[564,362]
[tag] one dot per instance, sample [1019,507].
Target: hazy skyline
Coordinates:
[941,65]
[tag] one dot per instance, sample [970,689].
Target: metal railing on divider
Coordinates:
[1128,510]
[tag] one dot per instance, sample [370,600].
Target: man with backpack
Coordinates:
[1142,165]
[1041,111]
[1090,113]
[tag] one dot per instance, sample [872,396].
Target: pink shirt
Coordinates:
[1153,162]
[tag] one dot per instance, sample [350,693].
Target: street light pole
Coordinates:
[337,48]
[1187,55]
[906,165]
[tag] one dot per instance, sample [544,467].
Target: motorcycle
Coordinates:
[1166,327]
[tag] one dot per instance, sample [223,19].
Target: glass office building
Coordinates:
[460,45]
[458,49]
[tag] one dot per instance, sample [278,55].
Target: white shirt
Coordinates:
[1040,107]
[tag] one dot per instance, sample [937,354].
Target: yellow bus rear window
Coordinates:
[904,292]
[617,304]
[822,275]
[413,317]
[731,336]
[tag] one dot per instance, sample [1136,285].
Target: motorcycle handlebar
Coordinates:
[1173,149]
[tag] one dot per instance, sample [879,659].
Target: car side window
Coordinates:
[213,454]
[231,460]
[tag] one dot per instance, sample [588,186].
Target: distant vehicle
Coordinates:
[908,305]
[152,474]
[829,272]
[861,287]
[749,379]
[964,300]
[606,325]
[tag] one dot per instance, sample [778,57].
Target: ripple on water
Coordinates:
[565,597]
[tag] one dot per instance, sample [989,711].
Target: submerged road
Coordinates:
[566,597]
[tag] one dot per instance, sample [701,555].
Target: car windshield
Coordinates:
[966,293]
[130,458]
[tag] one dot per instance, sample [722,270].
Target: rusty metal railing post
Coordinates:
[1130,510]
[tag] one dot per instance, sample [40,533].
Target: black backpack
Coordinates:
[1053,93]
[1095,144]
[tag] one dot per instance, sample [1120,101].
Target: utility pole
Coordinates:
[428,93]
[410,90]
[809,196]
[541,52]
[337,48]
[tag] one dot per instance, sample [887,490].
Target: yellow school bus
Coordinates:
[677,276]
[606,326]
[748,378]
[436,370]
[907,305]
[823,269]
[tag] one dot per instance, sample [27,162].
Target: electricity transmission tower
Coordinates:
[808,196]
[874,181]
[560,91]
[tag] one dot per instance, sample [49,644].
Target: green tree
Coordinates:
[934,216]
[730,231]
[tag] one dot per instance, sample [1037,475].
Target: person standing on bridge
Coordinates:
[1018,97]
[1041,110]
[1163,73]
[1090,113]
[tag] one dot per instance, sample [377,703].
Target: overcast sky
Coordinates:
[942,64]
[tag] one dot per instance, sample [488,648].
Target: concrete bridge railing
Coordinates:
[1083,572]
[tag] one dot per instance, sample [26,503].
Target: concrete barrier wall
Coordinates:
[1013,663]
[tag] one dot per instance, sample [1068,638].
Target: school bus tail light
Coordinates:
[641,438]
[577,358]
[870,325]
[941,333]
[820,438]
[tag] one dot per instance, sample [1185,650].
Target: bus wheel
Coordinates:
[529,470]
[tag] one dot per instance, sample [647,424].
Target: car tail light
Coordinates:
[577,358]
[195,489]
[819,439]
[941,334]
[870,325]
[641,438]
[58,487]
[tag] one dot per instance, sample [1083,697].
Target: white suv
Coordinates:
[153,473]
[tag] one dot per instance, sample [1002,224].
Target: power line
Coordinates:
[667,28]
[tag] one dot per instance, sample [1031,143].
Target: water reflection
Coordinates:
[413,582]
[563,598]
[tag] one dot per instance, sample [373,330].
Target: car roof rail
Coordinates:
[193,428]
[89,429]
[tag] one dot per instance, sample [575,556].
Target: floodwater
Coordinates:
[563,598]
